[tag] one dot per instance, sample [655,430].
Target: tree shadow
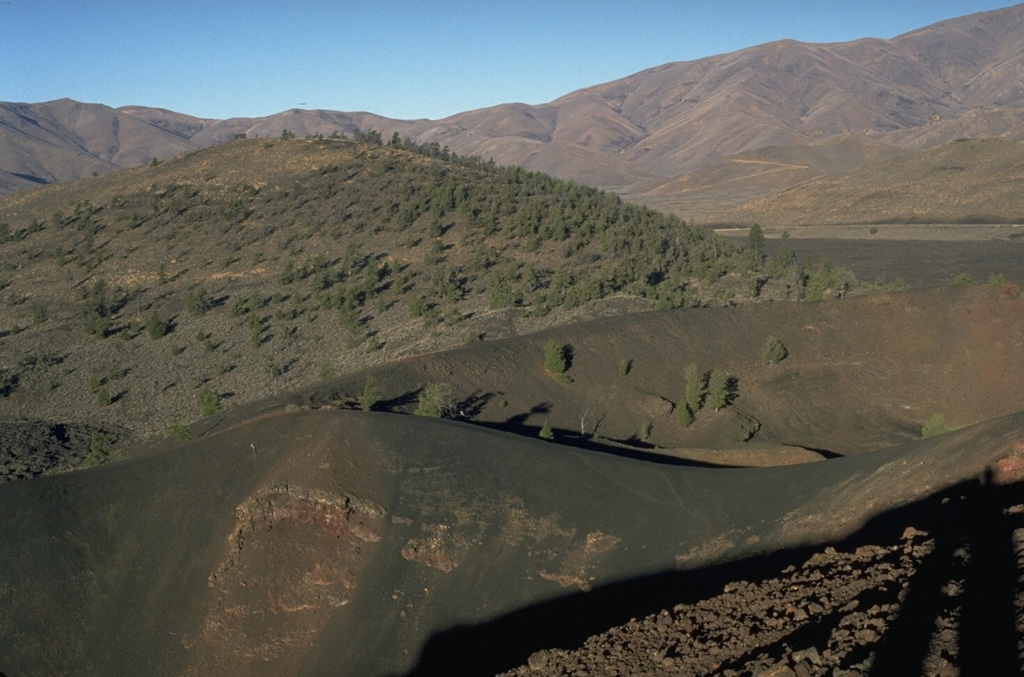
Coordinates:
[824,453]
[400,403]
[732,389]
[517,423]
[8,383]
[569,438]
[975,547]
[472,406]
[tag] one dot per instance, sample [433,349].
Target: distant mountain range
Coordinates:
[734,127]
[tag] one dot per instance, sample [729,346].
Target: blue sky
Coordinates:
[406,60]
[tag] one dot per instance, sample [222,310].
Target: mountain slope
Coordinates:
[980,181]
[750,175]
[64,140]
[958,78]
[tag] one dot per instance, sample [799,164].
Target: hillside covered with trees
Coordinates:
[143,299]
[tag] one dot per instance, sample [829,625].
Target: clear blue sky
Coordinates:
[221,59]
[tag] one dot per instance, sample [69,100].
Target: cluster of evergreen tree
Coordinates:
[707,390]
[415,224]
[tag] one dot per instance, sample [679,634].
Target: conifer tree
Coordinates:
[696,385]
[718,390]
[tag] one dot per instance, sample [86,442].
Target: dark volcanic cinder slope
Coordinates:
[340,542]
[861,374]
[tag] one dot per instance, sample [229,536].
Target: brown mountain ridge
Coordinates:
[955,79]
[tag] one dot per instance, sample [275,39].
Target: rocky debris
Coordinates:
[870,609]
[32,448]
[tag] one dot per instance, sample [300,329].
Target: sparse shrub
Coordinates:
[625,365]
[198,302]
[115,372]
[436,400]
[180,432]
[326,370]
[98,327]
[899,284]
[996,281]
[96,310]
[209,402]
[371,394]
[103,397]
[546,433]
[99,452]
[774,351]
[452,316]
[824,281]
[936,425]
[156,326]
[963,279]
[255,331]
[418,306]
[645,431]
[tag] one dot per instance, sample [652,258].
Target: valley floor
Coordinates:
[932,232]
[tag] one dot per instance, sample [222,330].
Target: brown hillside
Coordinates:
[745,177]
[960,182]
